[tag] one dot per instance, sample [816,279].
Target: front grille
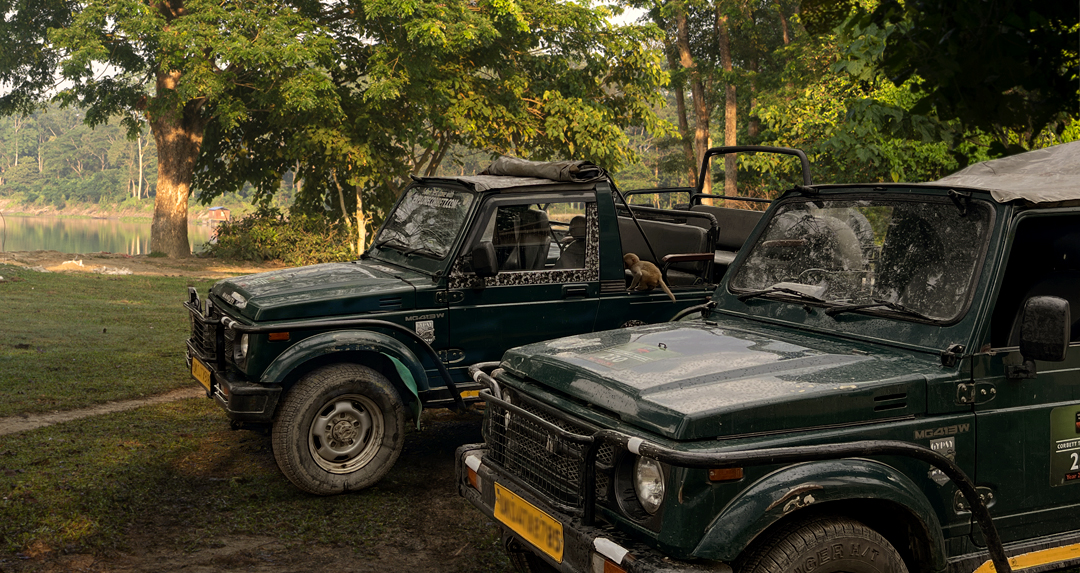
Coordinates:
[206,332]
[550,462]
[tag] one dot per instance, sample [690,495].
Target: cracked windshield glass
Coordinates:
[427,221]
[916,258]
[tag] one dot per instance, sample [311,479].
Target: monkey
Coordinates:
[646,275]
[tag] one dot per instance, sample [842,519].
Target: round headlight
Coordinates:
[242,348]
[649,484]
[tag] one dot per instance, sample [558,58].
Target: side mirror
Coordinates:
[1044,333]
[484,263]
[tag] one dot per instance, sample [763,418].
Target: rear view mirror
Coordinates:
[484,263]
[1044,333]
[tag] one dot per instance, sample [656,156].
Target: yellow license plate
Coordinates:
[530,523]
[200,372]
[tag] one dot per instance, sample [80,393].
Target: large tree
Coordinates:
[183,65]
[420,81]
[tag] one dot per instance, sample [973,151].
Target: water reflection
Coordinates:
[85,235]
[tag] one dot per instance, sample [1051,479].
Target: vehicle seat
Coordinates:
[573,254]
[534,239]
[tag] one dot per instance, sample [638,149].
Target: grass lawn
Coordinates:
[72,340]
[172,479]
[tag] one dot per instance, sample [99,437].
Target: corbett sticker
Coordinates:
[1065,445]
[425,329]
[629,355]
[947,448]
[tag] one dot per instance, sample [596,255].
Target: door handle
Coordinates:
[575,291]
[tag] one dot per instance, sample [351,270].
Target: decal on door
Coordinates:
[426,330]
[1065,445]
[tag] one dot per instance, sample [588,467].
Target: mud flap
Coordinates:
[410,383]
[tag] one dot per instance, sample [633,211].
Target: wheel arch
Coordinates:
[874,493]
[373,349]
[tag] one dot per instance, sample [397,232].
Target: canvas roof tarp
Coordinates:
[1048,175]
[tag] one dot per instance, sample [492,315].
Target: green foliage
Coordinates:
[538,78]
[297,240]
[50,157]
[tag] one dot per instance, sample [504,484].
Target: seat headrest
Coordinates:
[577,227]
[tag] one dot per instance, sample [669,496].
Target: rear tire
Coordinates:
[824,545]
[341,428]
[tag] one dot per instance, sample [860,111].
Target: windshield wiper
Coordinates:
[877,304]
[392,241]
[426,251]
[779,289]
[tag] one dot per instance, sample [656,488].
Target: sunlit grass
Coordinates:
[71,340]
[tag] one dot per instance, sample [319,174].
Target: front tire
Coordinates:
[341,428]
[825,545]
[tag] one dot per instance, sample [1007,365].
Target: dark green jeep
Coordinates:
[336,357]
[888,382]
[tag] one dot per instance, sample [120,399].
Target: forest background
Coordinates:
[871,91]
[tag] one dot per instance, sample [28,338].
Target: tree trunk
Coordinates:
[684,125]
[361,223]
[731,166]
[179,136]
[783,23]
[697,92]
[139,143]
[18,123]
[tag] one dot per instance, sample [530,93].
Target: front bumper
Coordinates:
[243,401]
[585,549]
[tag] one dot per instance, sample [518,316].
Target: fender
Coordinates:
[805,485]
[346,341]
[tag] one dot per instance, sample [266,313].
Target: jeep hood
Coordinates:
[693,380]
[330,289]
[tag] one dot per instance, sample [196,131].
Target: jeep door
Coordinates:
[547,279]
[1028,429]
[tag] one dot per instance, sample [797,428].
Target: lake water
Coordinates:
[85,235]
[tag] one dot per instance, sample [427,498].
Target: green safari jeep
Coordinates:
[887,381]
[335,357]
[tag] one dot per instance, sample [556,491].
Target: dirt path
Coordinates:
[24,422]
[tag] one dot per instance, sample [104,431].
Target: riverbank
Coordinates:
[122,264]
[10,208]
[142,212]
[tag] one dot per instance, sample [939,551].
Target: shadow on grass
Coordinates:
[172,484]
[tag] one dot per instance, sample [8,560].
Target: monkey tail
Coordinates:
[666,289]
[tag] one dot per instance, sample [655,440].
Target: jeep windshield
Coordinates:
[913,258]
[425,224]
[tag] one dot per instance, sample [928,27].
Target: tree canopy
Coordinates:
[353,96]
[993,66]
[420,82]
[180,65]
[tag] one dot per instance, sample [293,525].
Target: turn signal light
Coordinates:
[474,480]
[276,336]
[601,564]
[726,474]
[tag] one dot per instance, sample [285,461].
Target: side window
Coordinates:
[1044,261]
[535,242]
[536,236]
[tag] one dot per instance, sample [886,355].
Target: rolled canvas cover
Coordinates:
[1048,175]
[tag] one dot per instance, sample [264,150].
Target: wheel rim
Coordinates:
[346,434]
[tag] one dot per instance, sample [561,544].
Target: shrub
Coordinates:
[296,240]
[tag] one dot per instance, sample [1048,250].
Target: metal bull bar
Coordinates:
[337,324]
[762,457]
